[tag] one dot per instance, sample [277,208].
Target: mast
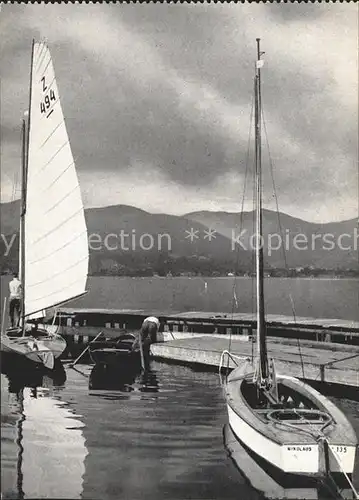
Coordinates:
[24,161]
[22,223]
[262,373]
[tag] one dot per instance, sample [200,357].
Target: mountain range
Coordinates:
[126,240]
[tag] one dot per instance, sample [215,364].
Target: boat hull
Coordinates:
[289,450]
[113,356]
[275,484]
[121,352]
[42,349]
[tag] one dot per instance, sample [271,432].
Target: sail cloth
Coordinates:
[56,248]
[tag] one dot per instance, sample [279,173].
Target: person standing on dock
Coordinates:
[15,300]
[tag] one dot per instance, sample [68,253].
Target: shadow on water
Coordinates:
[22,373]
[122,380]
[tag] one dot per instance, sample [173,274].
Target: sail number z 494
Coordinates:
[48,99]
[46,103]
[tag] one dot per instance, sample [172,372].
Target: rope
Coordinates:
[336,456]
[330,363]
[281,230]
[234,294]
[319,436]
[229,356]
[295,321]
[54,318]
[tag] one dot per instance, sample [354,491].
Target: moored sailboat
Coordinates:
[288,426]
[53,234]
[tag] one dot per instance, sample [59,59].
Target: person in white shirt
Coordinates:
[150,327]
[148,333]
[15,300]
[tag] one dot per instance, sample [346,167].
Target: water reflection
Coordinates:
[28,375]
[134,435]
[43,448]
[123,379]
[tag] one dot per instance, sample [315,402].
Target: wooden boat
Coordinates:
[53,235]
[40,348]
[273,485]
[122,351]
[283,421]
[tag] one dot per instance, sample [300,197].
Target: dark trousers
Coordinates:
[14,306]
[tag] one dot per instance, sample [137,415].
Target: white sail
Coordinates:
[56,249]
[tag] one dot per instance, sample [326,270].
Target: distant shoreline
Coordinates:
[353,275]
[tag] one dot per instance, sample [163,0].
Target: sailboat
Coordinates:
[290,428]
[53,235]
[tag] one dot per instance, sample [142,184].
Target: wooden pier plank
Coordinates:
[316,362]
[213,317]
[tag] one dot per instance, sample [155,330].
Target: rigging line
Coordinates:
[281,231]
[274,190]
[319,435]
[234,294]
[298,342]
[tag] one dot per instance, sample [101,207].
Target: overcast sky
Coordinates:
[157,101]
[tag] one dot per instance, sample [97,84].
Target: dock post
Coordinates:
[322,368]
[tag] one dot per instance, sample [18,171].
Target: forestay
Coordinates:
[56,248]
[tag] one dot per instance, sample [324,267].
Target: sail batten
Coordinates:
[67,269]
[70,242]
[52,133]
[70,296]
[56,248]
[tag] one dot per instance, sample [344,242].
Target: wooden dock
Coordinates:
[311,329]
[314,364]
[327,350]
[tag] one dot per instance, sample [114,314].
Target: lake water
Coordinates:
[159,438]
[318,298]
[134,438]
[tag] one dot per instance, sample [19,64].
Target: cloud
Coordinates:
[163,92]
